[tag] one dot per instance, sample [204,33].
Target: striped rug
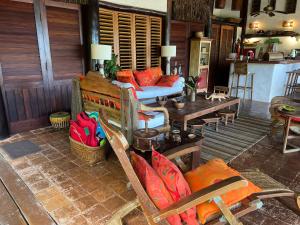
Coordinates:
[232,140]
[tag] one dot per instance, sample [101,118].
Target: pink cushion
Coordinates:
[175,183]
[154,186]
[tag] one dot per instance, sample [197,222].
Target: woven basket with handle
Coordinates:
[89,154]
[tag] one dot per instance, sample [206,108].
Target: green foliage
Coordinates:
[273,41]
[191,82]
[111,67]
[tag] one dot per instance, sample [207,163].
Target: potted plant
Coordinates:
[192,84]
[111,67]
[272,44]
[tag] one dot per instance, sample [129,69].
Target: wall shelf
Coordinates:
[282,34]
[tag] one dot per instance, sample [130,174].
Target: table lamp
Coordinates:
[168,52]
[101,53]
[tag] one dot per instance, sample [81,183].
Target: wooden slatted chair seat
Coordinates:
[271,188]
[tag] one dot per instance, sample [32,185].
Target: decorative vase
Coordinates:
[193,96]
[220,4]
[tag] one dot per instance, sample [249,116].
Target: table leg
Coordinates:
[286,133]
[196,158]
[238,109]
[185,125]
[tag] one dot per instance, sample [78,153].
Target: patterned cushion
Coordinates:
[156,73]
[145,78]
[126,76]
[213,172]
[175,183]
[154,186]
[167,81]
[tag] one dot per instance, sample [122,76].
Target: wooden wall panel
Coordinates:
[181,33]
[29,88]
[65,42]
[19,53]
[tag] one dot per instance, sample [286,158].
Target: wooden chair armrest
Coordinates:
[183,150]
[145,108]
[202,196]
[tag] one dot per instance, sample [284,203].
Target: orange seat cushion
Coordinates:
[175,183]
[167,81]
[154,186]
[213,172]
[126,76]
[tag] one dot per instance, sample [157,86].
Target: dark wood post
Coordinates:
[244,12]
[168,19]
[208,25]
[3,120]
[90,21]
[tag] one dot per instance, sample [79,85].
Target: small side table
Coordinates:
[287,136]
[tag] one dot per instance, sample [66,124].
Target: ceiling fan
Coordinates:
[269,10]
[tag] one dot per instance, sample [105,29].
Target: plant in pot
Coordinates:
[111,67]
[272,44]
[192,84]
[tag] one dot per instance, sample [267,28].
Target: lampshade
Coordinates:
[168,51]
[101,52]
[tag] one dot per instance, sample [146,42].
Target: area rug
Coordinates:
[20,148]
[234,139]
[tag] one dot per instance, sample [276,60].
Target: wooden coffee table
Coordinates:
[200,107]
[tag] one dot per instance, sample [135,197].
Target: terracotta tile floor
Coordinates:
[75,193]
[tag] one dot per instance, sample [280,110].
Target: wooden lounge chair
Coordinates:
[271,189]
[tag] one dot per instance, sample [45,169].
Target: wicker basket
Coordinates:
[60,119]
[91,155]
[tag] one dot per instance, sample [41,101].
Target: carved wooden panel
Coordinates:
[191,10]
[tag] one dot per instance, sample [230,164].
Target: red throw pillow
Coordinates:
[156,73]
[126,76]
[167,81]
[211,173]
[175,183]
[145,78]
[154,186]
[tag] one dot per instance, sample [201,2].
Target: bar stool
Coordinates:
[292,85]
[241,69]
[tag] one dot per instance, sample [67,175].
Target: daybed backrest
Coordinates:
[120,145]
[99,93]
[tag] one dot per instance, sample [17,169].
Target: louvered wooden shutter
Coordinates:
[125,40]
[141,41]
[135,38]
[155,30]
[106,27]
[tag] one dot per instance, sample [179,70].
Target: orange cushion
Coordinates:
[213,172]
[156,73]
[145,78]
[175,183]
[126,76]
[167,81]
[154,186]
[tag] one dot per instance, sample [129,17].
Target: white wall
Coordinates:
[158,5]
[226,12]
[275,23]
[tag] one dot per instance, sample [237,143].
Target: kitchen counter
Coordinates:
[286,61]
[270,78]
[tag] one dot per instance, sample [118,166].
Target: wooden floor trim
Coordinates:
[24,199]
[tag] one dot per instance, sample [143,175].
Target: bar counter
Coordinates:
[270,78]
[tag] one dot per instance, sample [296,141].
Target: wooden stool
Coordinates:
[241,69]
[207,119]
[227,114]
[197,124]
[287,137]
